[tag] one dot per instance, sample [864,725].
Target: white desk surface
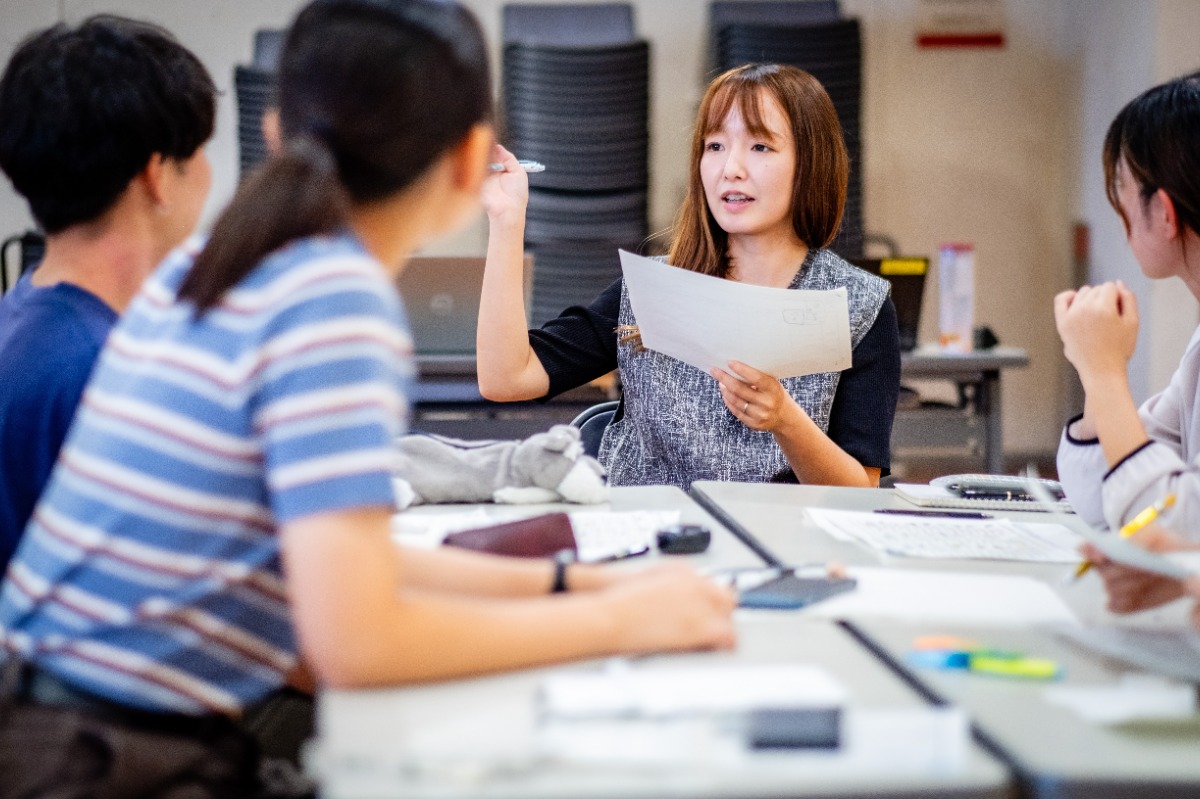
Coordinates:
[726,550]
[775,515]
[478,737]
[1059,754]
[1064,755]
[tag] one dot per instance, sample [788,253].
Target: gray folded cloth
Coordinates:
[546,467]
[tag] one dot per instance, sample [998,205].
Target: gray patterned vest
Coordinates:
[676,428]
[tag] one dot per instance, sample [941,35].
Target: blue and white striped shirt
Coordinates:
[150,572]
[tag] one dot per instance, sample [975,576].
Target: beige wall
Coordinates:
[976,145]
[968,145]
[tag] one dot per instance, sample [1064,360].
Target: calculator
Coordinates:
[996,486]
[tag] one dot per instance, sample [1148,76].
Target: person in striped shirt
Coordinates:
[219,518]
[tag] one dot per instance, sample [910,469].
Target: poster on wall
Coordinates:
[960,23]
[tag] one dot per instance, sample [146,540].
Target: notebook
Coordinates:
[907,276]
[441,296]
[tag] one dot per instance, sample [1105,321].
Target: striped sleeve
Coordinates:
[328,403]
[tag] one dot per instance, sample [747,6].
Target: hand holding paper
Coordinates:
[758,399]
[707,322]
[1142,575]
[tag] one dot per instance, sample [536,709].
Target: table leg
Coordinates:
[987,401]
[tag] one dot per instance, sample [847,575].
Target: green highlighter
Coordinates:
[952,652]
[1019,667]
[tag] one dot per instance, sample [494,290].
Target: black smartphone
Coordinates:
[789,591]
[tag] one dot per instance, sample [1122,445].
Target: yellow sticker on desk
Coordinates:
[903,266]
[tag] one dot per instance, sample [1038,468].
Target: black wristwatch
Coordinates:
[562,559]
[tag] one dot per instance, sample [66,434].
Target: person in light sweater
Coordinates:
[1117,458]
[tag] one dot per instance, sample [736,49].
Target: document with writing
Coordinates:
[706,321]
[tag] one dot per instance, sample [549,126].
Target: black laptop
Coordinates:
[907,276]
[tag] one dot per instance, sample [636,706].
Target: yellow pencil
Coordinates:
[1136,523]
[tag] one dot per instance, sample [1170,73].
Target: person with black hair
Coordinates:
[1116,459]
[102,131]
[220,517]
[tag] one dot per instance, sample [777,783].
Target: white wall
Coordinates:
[17,18]
[977,145]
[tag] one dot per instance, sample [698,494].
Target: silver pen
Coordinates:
[528,166]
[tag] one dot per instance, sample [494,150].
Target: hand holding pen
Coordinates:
[524,164]
[506,189]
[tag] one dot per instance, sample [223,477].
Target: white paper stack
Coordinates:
[669,692]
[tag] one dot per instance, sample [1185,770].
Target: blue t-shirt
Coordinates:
[150,572]
[49,340]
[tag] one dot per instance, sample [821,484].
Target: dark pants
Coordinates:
[59,743]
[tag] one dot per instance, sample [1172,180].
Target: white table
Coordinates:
[1054,752]
[484,738]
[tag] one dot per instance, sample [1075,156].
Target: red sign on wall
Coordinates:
[960,23]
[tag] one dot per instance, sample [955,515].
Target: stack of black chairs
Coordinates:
[808,35]
[254,88]
[575,97]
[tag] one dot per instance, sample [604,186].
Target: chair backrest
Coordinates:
[784,13]
[30,247]
[268,44]
[568,24]
[592,423]
[773,12]
[254,89]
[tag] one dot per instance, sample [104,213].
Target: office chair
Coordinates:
[777,13]
[568,24]
[254,89]
[592,423]
[30,247]
[268,44]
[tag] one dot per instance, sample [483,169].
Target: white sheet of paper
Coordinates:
[1134,697]
[947,597]
[706,321]
[945,537]
[666,691]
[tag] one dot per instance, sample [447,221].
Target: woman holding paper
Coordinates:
[1117,458]
[769,172]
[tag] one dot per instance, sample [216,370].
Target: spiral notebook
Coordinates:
[933,496]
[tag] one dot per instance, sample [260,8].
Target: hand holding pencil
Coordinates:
[1134,525]
[1131,589]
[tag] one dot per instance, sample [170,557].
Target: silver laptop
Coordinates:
[441,296]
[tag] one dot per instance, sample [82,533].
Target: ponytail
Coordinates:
[294,194]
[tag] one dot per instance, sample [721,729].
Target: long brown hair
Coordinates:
[371,93]
[822,164]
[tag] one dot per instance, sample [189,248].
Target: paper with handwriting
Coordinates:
[706,321]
